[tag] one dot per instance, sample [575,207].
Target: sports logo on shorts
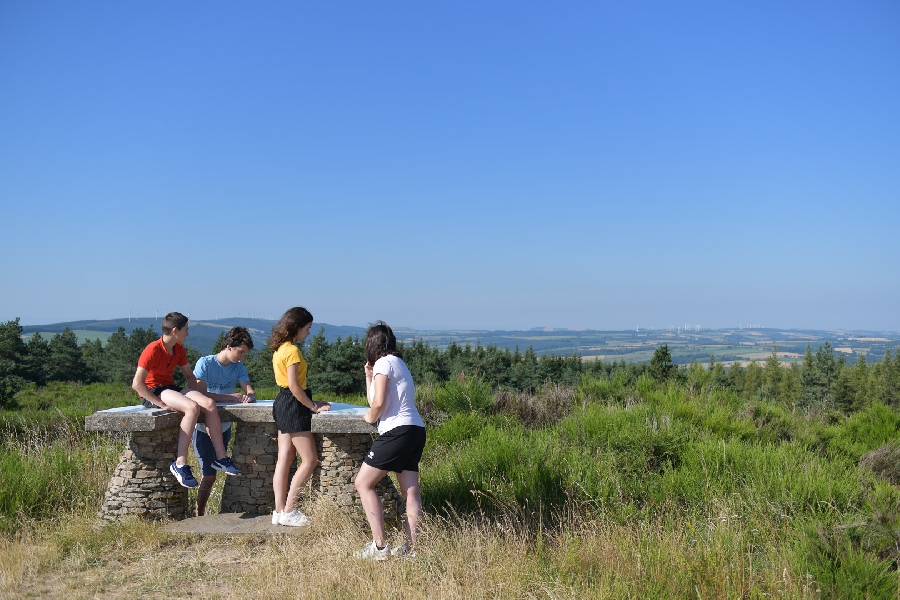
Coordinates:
[371,454]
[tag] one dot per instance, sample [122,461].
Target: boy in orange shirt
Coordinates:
[154,381]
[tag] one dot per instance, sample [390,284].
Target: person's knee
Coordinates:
[412,493]
[191,410]
[205,403]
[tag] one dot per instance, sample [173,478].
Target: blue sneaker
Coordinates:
[225,465]
[183,475]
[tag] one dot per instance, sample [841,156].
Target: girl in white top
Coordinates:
[392,404]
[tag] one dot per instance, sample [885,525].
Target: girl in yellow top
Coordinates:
[293,410]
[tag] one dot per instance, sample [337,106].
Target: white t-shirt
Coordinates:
[400,401]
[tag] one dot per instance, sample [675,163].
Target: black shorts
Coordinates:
[159,390]
[290,415]
[398,450]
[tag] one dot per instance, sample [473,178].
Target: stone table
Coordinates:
[142,484]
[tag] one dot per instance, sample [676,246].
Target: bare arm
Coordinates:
[236,397]
[191,380]
[249,392]
[376,392]
[369,389]
[296,390]
[299,394]
[139,384]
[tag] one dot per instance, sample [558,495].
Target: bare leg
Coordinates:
[286,455]
[191,411]
[211,418]
[366,480]
[409,487]
[203,492]
[305,445]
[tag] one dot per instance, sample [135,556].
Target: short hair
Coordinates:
[380,342]
[236,337]
[172,321]
[285,330]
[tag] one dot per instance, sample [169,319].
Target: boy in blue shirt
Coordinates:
[217,376]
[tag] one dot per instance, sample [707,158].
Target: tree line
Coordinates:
[822,379]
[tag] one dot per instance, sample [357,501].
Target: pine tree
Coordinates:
[94,356]
[220,343]
[66,362]
[38,359]
[773,375]
[661,367]
[813,384]
[13,361]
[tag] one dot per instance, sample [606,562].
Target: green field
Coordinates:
[620,487]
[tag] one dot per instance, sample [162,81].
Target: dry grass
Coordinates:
[884,462]
[459,557]
[549,405]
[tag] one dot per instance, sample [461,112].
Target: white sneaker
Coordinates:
[371,552]
[295,518]
[276,517]
[403,551]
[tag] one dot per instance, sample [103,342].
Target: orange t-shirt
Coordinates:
[160,364]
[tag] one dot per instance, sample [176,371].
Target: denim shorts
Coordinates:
[206,453]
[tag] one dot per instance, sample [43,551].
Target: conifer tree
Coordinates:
[13,361]
[66,362]
[38,359]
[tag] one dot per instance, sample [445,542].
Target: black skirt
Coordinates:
[290,415]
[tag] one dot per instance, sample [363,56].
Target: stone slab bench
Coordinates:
[143,486]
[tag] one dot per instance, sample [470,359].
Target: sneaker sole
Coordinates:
[378,558]
[221,470]
[179,480]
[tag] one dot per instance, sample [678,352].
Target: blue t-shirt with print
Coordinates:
[219,378]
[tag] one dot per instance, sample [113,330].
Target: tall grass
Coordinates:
[48,473]
[607,490]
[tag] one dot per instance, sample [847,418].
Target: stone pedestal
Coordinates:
[142,484]
[340,457]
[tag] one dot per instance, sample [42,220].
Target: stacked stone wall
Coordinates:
[142,484]
[340,457]
[254,452]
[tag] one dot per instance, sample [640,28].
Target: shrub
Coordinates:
[463,394]
[552,403]
[884,462]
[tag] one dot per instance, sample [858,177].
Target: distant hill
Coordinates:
[203,334]
[727,345]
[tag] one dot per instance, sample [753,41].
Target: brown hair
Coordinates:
[236,337]
[173,320]
[285,330]
[380,341]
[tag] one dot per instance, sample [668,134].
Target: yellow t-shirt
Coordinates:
[288,354]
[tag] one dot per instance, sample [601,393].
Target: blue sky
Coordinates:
[487,165]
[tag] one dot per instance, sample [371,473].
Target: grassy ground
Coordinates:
[459,558]
[602,491]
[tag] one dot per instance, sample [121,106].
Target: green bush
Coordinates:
[463,394]
[46,473]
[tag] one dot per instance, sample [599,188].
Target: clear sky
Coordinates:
[487,165]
